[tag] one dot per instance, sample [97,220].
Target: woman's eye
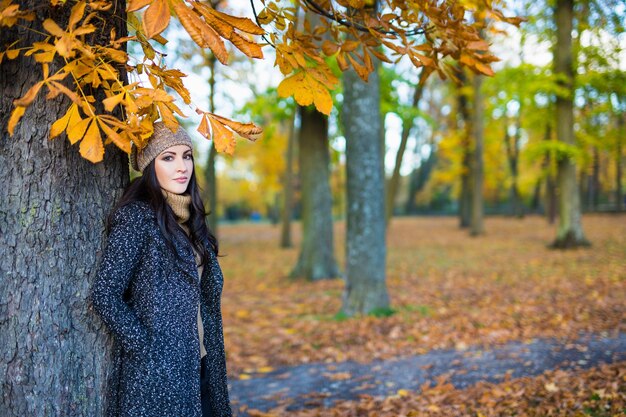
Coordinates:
[189,156]
[167,158]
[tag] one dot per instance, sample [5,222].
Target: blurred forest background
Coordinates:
[427,132]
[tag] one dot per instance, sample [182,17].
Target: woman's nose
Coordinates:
[181,165]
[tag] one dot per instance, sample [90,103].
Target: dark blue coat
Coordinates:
[149,300]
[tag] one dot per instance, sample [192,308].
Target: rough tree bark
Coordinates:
[317,255]
[52,209]
[570,233]
[366,248]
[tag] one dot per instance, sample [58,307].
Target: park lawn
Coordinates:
[447,290]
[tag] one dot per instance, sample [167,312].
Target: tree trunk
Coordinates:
[570,232]
[465,199]
[287,209]
[317,255]
[512,150]
[55,351]
[209,173]
[211,189]
[619,193]
[407,126]
[593,182]
[366,247]
[476,225]
[550,194]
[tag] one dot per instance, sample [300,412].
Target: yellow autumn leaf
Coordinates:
[480,45]
[91,147]
[71,117]
[250,49]
[247,130]
[321,96]
[16,115]
[111,102]
[77,130]
[121,142]
[294,86]
[224,29]
[223,139]
[244,376]
[361,70]
[78,10]
[134,5]
[329,48]
[156,18]
[265,369]
[203,128]
[242,23]
[12,53]
[202,34]
[167,116]
[403,392]
[484,69]
[30,95]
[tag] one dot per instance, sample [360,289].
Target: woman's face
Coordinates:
[173,168]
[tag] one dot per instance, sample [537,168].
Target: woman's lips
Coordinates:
[181,180]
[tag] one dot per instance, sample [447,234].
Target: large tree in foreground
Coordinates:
[52,206]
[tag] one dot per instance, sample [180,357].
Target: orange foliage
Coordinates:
[425,32]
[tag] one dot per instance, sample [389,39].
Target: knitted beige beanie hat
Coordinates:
[161,139]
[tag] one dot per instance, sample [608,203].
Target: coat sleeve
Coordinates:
[121,256]
[214,344]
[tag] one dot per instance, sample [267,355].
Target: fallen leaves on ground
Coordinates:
[598,392]
[448,290]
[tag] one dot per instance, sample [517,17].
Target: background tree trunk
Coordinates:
[366,248]
[476,224]
[619,193]
[465,198]
[419,177]
[210,178]
[550,183]
[209,172]
[54,350]
[570,232]
[513,150]
[407,126]
[317,255]
[287,209]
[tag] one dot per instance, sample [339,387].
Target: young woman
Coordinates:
[158,290]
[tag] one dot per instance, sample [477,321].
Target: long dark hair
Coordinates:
[146,188]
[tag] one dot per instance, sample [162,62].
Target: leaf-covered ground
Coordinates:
[598,392]
[447,290]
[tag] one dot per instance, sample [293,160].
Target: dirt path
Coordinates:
[319,384]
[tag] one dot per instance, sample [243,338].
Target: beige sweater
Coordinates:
[180,206]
